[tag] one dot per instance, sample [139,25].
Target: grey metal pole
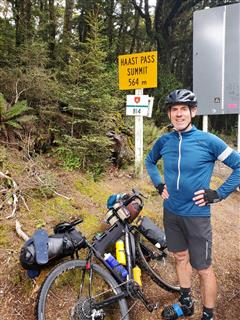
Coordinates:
[205,123]
[139,141]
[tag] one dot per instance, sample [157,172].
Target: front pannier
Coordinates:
[152,232]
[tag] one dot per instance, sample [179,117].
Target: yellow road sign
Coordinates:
[137,70]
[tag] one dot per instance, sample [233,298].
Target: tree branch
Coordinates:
[20,232]
[139,9]
[145,16]
[18,94]
[14,196]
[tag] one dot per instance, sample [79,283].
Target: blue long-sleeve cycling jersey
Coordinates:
[188,159]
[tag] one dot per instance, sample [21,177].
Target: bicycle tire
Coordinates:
[61,289]
[158,264]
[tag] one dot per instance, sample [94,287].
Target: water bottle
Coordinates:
[114,264]
[137,275]
[120,252]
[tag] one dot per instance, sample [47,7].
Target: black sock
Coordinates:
[185,296]
[207,313]
[185,292]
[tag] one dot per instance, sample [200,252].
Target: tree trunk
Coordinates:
[17,8]
[52,29]
[110,26]
[121,43]
[22,14]
[67,27]
[135,31]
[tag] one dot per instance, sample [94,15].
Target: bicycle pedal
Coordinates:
[154,306]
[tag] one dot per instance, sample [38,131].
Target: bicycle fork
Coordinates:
[134,289]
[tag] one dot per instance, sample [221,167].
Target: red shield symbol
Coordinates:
[137,99]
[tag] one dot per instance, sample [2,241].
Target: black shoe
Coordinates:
[178,310]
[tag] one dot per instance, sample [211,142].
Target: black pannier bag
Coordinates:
[59,245]
[152,232]
[108,237]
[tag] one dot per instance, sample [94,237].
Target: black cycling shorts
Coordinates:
[190,233]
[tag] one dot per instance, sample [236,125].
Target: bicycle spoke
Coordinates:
[63,300]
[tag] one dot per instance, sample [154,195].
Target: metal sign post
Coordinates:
[139,105]
[205,123]
[139,141]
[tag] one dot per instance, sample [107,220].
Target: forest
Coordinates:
[59,74]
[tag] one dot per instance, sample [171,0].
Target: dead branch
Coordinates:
[18,94]
[24,202]
[20,232]
[13,199]
[14,206]
[57,193]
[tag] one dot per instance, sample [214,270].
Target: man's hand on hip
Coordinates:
[205,197]
[162,190]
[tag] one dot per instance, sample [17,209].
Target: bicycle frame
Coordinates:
[131,288]
[98,299]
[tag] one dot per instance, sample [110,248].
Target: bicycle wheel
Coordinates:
[160,265]
[65,296]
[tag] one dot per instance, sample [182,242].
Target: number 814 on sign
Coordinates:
[134,111]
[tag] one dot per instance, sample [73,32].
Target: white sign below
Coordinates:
[137,105]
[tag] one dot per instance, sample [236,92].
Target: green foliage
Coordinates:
[2,104]
[70,160]
[32,55]
[28,76]
[11,116]
[85,153]
[91,98]
[151,133]
[7,42]
[16,110]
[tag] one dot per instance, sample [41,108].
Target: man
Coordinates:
[189,155]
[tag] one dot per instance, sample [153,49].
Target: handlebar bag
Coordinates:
[117,209]
[152,232]
[134,208]
[58,246]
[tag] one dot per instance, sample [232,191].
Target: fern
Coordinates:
[13,117]
[13,124]
[2,104]
[16,110]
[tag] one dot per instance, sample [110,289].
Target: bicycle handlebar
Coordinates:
[64,226]
[135,195]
